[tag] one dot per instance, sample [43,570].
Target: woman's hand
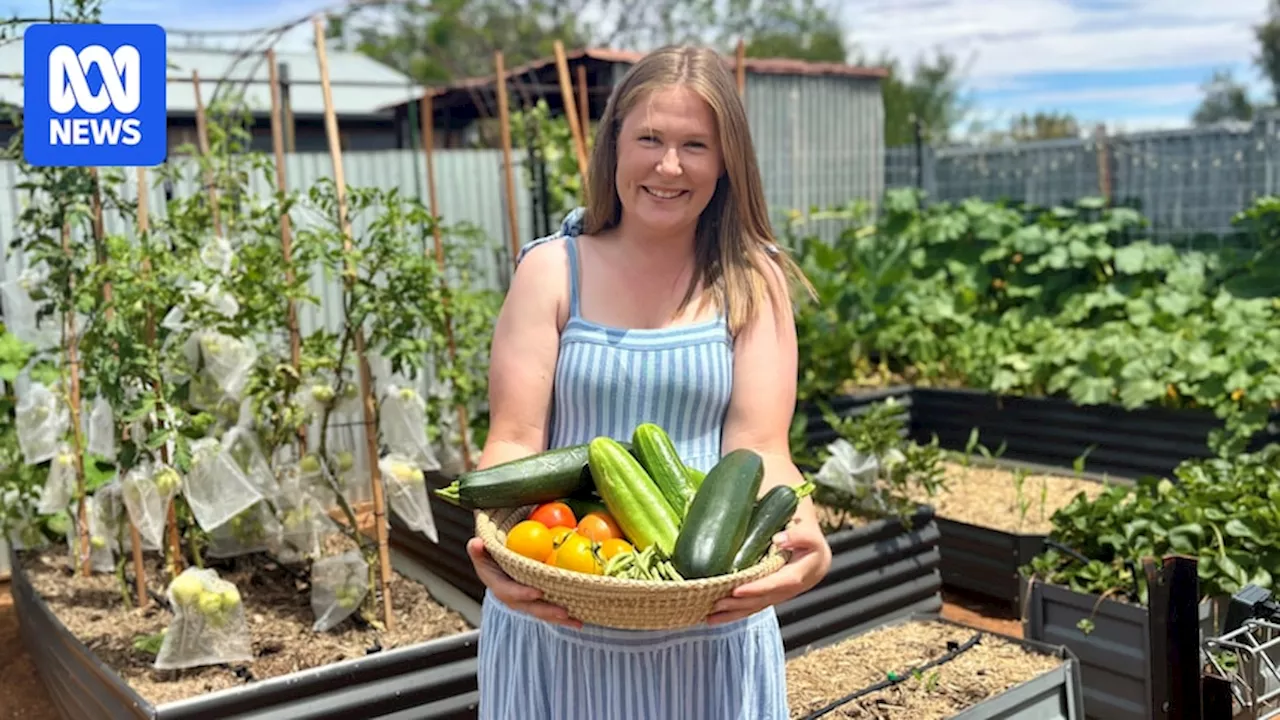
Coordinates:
[810,560]
[521,598]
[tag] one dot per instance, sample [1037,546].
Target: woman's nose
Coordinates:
[670,164]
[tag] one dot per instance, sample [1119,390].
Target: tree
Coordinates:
[1224,99]
[1268,57]
[931,93]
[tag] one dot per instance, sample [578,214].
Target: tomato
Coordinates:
[531,539]
[554,514]
[599,527]
[613,546]
[578,554]
[559,534]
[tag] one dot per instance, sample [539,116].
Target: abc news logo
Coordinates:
[121,90]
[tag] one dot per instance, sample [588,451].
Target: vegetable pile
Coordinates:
[634,509]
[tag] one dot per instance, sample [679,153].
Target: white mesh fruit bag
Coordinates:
[41,419]
[208,626]
[215,488]
[402,420]
[338,586]
[406,490]
[147,490]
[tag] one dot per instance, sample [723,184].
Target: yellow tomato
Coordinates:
[599,527]
[578,554]
[531,539]
[613,546]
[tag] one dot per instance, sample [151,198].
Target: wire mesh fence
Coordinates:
[1189,184]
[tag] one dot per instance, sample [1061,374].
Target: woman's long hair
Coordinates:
[734,237]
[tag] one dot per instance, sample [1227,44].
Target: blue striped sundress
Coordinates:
[607,381]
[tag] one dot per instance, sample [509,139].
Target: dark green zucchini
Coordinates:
[771,515]
[543,477]
[717,521]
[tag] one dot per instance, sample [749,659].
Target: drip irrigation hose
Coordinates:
[896,678]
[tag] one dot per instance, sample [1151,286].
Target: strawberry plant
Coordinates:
[1221,511]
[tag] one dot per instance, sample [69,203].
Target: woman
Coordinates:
[664,301]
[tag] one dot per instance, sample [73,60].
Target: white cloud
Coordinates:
[1008,38]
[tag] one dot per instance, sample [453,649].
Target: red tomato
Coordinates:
[553,515]
[599,527]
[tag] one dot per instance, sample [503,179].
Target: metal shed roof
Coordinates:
[472,98]
[360,85]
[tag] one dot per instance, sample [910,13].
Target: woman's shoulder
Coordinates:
[554,244]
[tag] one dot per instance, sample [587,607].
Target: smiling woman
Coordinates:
[664,301]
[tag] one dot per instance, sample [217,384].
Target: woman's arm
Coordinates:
[759,418]
[523,356]
[522,365]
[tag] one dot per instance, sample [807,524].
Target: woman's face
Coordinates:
[669,160]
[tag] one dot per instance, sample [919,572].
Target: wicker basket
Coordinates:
[608,601]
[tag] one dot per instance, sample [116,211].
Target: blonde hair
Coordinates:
[734,239]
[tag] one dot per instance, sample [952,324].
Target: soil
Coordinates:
[22,694]
[991,667]
[278,617]
[988,496]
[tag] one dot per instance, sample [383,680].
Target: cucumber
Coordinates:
[542,477]
[632,497]
[657,455]
[695,476]
[770,516]
[719,516]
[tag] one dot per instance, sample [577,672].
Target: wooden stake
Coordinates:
[366,379]
[135,538]
[740,67]
[171,520]
[584,107]
[1104,162]
[202,142]
[73,364]
[428,147]
[571,110]
[286,235]
[504,121]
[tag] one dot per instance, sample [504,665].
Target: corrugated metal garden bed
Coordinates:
[432,679]
[921,667]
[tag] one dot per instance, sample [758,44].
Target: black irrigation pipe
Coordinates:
[1080,558]
[896,678]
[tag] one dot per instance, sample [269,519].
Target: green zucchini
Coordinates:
[718,518]
[657,455]
[542,477]
[770,516]
[582,506]
[632,497]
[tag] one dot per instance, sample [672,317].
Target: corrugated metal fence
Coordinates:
[1188,183]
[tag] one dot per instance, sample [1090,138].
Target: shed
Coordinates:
[362,91]
[818,127]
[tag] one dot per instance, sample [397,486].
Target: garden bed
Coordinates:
[82,641]
[990,526]
[998,677]
[818,432]
[1056,432]
[448,558]
[880,570]
[1112,639]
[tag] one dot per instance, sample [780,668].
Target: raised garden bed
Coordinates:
[880,570]
[83,646]
[1112,640]
[996,677]
[1055,431]
[993,519]
[448,558]
[818,432]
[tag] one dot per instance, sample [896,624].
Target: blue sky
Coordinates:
[1133,64]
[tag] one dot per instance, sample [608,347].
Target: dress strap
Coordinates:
[571,247]
[570,229]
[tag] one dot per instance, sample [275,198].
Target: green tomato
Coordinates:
[310,464]
[167,481]
[346,460]
[322,393]
[186,589]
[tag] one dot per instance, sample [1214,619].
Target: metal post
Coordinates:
[918,130]
[1174,590]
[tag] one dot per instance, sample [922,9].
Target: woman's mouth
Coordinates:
[663,194]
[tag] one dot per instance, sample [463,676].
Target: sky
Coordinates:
[1132,64]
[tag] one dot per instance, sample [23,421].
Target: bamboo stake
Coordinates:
[741,67]
[77,437]
[428,147]
[135,538]
[504,121]
[202,142]
[584,107]
[286,235]
[171,519]
[366,379]
[571,110]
